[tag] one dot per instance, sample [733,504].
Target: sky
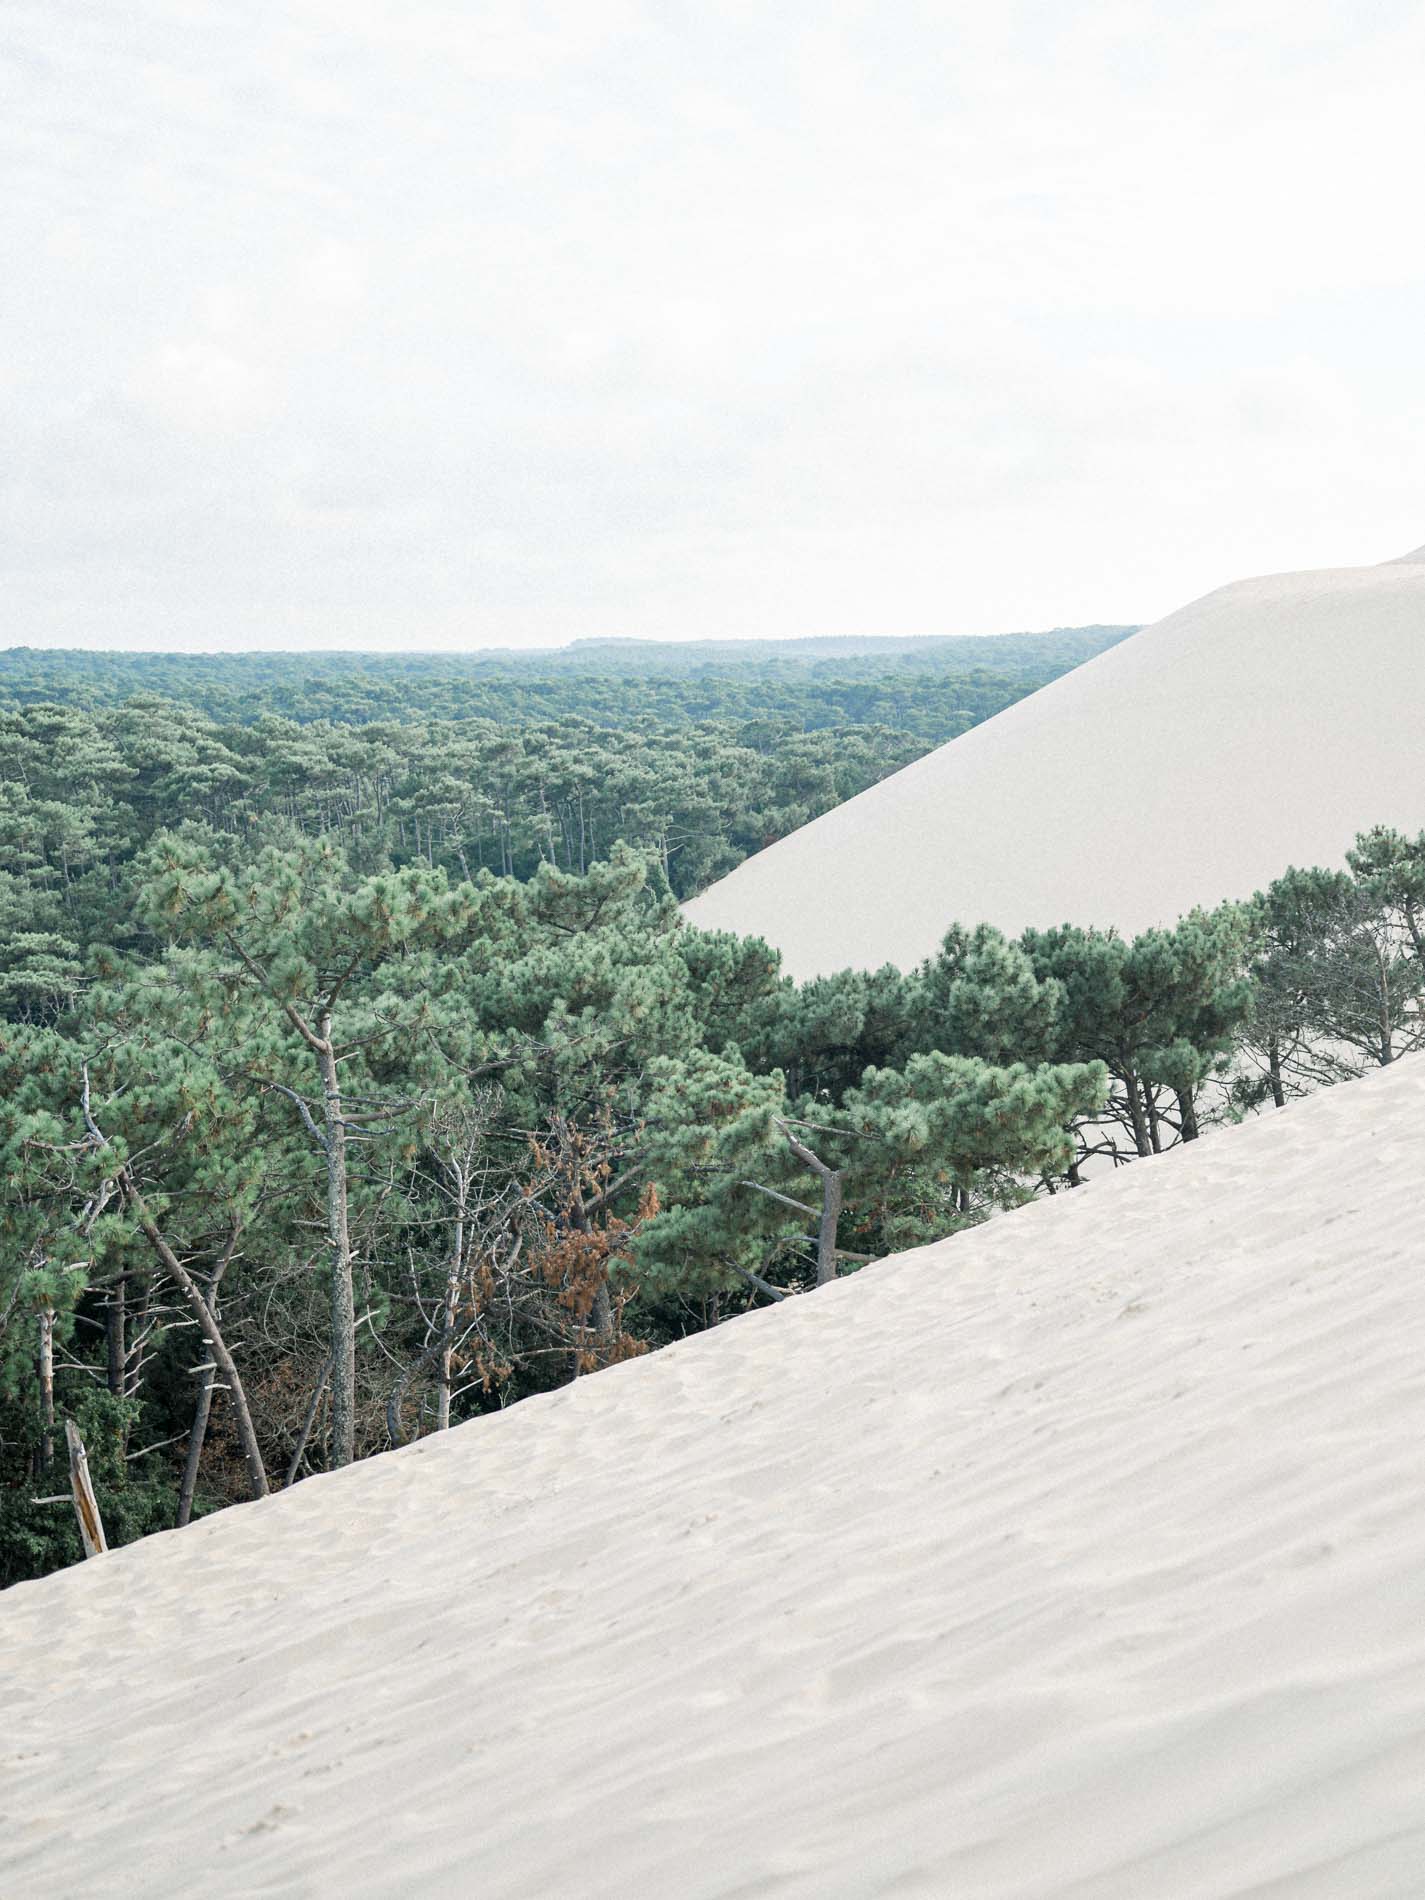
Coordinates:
[417,325]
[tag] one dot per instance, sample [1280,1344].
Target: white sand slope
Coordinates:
[1080,1555]
[1263,725]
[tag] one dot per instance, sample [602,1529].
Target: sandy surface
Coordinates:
[1081,1555]
[1263,725]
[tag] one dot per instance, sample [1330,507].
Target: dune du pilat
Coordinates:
[896,1373]
[1261,726]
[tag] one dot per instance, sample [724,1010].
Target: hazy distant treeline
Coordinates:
[917,686]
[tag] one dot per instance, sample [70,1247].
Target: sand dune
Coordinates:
[1080,1555]
[1263,725]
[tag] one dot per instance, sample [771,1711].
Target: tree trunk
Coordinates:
[1274,1071]
[1136,1115]
[343,1308]
[115,1333]
[395,1399]
[202,1406]
[602,1314]
[600,1325]
[212,1333]
[454,1275]
[1155,1127]
[1187,1112]
[1387,1033]
[832,1186]
[46,1371]
[1417,938]
[309,1420]
[831,1193]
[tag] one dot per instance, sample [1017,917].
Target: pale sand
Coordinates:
[1263,725]
[1080,1555]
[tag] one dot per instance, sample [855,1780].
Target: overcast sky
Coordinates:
[349,324]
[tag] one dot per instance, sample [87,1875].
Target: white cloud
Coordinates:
[201,387]
[435,325]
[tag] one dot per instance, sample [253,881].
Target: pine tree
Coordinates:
[298,936]
[1159,1012]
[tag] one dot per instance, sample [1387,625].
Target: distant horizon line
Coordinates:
[581,642]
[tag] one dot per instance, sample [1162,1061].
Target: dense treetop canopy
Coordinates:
[813,682]
[358,1076]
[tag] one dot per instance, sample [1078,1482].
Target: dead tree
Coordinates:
[86,1505]
[182,1276]
[828,1215]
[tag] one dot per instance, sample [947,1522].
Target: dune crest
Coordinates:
[1260,726]
[1079,1554]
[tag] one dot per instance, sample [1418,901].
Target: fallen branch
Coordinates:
[763,1286]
